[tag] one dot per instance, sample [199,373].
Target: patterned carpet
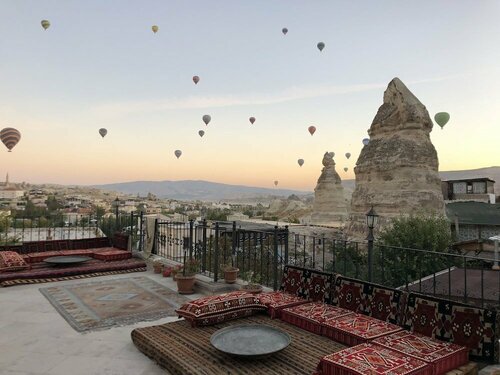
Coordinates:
[181,349]
[111,303]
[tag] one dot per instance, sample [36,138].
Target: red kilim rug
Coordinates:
[369,359]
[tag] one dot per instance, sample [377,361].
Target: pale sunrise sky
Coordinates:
[100,65]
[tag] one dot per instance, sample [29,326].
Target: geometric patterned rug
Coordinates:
[104,304]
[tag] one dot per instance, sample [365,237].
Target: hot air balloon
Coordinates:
[45,24]
[312,129]
[276,183]
[284,30]
[346,169]
[154,28]
[10,137]
[201,133]
[347,155]
[301,162]
[321,45]
[103,132]
[442,118]
[252,120]
[206,119]
[366,141]
[196,79]
[178,153]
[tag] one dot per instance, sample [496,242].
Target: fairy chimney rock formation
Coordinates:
[330,206]
[397,172]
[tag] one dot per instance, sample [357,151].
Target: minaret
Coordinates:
[7,180]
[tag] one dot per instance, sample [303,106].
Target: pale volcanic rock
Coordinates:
[397,172]
[330,205]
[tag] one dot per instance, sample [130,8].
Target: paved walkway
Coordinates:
[35,339]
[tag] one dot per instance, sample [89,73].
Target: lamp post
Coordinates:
[371,221]
[116,203]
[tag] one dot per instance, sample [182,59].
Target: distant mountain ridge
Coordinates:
[213,191]
[195,190]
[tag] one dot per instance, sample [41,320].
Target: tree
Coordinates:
[396,257]
[52,204]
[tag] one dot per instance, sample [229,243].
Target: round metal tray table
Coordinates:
[250,340]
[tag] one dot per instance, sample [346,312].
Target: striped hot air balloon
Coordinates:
[10,137]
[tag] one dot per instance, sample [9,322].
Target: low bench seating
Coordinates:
[311,316]
[110,254]
[442,356]
[371,359]
[357,329]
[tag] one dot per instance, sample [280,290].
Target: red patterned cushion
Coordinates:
[369,359]
[356,329]
[40,256]
[293,281]
[216,309]
[112,254]
[79,252]
[12,261]
[442,356]
[348,294]
[275,302]
[318,285]
[309,316]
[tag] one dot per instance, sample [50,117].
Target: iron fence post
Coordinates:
[233,245]
[141,233]
[216,254]
[275,260]
[204,246]
[190,241]
[370,254]
[154,250]
[286,234]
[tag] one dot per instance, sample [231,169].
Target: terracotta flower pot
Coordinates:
[167,271]
[158,268]
[185,284]
[230,275]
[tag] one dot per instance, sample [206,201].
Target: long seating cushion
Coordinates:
[110,254]
[216,309]
[42,255]
[310,316]
[450,321]
[371,359]
[275,302]
[12,261]
[356,329]
[78,252]
[442,356]
[370,299]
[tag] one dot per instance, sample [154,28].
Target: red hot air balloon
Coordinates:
[10,137]
[252,120]
[312,129]
[196,79]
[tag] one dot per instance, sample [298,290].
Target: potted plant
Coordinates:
[158,266]
[230,273]
[186,278]
[175,271]
[253,282]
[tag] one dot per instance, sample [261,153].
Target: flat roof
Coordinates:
[471,179]
[478,213]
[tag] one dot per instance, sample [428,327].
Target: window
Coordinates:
[469,188]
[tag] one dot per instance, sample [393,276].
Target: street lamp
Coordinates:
[371,222]
[116,203]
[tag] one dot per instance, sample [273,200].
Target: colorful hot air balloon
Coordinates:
[366,141]
[301,162]
[154,28]
[321,45]
[252,120]
[284,30]
[45,24]
[206,119]
[178,153]
[196,79]
[442,118]
[347,155]
[346,169]
[276,183]
[10,137]
[201,133]
[312,129]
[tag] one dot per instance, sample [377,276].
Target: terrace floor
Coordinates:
[35,339]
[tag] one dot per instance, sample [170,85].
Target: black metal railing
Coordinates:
[18,230]
[266,250]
